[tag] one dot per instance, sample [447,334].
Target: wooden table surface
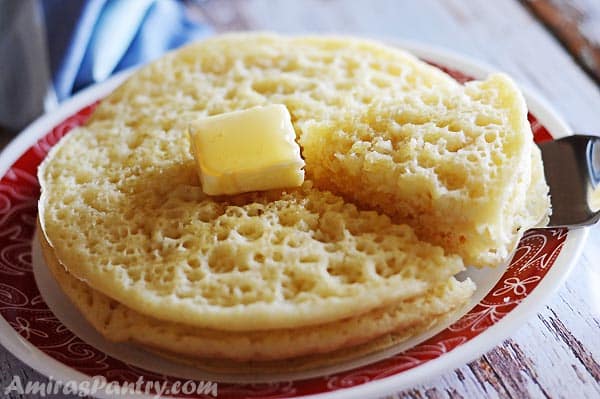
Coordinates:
[550,46]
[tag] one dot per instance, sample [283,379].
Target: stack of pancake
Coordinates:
[410,175]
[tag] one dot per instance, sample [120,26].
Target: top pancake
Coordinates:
[122,206]
[459,166]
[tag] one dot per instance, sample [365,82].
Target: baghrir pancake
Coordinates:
[123,212]
[260,261]
[119,323]
[465,171]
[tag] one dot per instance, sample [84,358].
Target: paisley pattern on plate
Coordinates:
[23,308]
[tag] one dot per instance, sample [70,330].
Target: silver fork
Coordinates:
[572,168]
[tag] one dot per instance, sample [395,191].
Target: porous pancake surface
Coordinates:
[120,323]
[260,261]
[459,166]
[122,207]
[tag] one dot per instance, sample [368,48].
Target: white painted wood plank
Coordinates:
[577,24]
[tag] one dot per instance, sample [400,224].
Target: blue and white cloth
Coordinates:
[50,49]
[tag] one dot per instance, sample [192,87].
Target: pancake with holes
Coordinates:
[408,173]
[345,339]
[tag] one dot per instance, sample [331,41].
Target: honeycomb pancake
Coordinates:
[122,206]
[301,363]
[460,167]
[472,197]
[257,261]
[345,339]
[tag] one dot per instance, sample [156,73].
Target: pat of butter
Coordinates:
[248,150]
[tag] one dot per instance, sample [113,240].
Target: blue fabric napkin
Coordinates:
[90,40]
[49,49]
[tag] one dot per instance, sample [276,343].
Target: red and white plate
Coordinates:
[41,327]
